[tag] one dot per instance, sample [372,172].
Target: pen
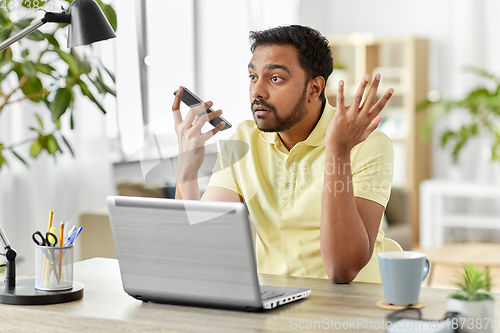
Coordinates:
[73,237]
[67,228]
[71,232]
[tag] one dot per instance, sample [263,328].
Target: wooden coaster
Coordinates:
[385,306]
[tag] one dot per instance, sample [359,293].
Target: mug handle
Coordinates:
[427,268]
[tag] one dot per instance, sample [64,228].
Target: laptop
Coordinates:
[190,252]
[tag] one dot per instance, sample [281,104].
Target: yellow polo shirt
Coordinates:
[283,190]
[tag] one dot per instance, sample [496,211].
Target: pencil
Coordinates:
[51,214]
[44,270]
[61,238]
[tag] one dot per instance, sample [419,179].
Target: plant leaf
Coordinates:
[28,68]
[36,35]
[60,103]
[111,75]
[5,56]
[35,149]
[106,87]
[52,145]
[479,71]
[40,122]
[98,85]
[86,92]
[71,120]
[68,145]
[52,40]
[5,33]
[4,19]
[36,130]
[83,64]
[424,105]
[2,159]
[458,296]
[73,70]
[473,280]
[33,86]
[102,87]
[109,13]
[19,157]
[22,24]
[44,68]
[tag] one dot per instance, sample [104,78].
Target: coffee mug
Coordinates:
[402,274]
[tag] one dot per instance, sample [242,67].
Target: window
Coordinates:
[200,44]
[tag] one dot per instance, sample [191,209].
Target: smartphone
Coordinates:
[191,100]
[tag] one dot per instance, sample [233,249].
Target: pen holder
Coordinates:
[53,268]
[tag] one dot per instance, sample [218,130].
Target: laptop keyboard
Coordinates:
[265,295]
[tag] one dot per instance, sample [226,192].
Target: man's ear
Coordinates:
[316,86]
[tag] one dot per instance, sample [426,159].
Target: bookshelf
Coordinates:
[403,64]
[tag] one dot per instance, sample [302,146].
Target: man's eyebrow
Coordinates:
[272,66]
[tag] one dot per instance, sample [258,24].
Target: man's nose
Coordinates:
[259,90]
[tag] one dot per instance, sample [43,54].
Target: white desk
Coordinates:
[434,218]
[105,307]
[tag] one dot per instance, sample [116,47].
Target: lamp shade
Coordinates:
[88,24]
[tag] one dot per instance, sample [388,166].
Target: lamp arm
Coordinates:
[49,17]
[21,34]
[10,255]
[4,239]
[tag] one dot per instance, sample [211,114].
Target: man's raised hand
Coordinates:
[354,123]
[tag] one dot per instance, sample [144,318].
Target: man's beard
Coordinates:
[283,123]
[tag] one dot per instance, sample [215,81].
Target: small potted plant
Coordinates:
[473,302]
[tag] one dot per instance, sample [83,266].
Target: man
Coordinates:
[315,180]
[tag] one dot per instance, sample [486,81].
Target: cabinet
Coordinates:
[403,64]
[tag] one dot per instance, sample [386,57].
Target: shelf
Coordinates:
[403,64]
[471,221]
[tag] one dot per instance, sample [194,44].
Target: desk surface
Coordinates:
[106,307]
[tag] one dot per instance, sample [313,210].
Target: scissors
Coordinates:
[49,240]
[44,241]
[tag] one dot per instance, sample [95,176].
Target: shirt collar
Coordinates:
[317,136]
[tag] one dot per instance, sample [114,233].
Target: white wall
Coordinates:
[461,32]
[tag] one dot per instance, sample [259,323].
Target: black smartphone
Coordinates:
[191,100]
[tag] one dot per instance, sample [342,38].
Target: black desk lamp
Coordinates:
[87,24]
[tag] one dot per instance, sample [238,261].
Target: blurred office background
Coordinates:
[203,45]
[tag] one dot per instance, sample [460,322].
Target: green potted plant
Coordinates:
[483,106]
[49,75]
[473,301]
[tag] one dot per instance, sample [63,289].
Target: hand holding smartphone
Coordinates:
[191,100]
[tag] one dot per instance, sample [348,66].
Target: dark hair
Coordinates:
[315,55]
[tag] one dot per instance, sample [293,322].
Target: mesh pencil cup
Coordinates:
[53,267]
